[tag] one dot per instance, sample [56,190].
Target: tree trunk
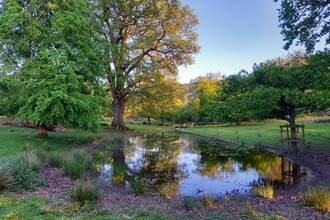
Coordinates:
[163,118]
[149,121]
[118,108]
[42,130]
[238,121]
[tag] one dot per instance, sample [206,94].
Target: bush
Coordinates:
[32,160]
[318,198]
[85,191]
[6,178]
[24,177]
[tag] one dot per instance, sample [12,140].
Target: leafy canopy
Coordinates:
[306,21]
[49,50]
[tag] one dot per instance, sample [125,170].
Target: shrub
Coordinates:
[75,167]
[265,190]
[6,177]
[24,177]
[137,186]
[85,191]
[57,159]
[318,198]
[32,160]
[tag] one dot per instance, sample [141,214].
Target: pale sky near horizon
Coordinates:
[233,35]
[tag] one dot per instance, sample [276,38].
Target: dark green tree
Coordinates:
[287,88]
[234,97]
[48,60]
[304,21]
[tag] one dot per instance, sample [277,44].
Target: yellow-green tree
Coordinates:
[157,97]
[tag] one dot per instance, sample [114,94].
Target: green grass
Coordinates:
[34,208]
[14,139]
[265,134]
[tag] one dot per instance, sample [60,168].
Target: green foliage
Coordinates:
[144,54]
[6,177]
[85,191]
[137,185]
[318,198]
[49,62]
[304,21]
[24,177]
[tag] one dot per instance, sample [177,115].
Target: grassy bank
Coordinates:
[15,139]
[317,135]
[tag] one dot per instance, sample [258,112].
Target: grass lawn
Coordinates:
[317,135]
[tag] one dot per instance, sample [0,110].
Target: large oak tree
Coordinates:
[139,37]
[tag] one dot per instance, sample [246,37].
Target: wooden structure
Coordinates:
[286,137]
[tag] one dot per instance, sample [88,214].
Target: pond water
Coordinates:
[190,166]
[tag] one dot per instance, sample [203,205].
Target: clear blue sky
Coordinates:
[234,34]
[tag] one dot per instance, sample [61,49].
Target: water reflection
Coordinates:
[175,165]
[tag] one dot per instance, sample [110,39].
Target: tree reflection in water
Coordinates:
[175,165]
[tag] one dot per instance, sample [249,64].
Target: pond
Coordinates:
[185,165]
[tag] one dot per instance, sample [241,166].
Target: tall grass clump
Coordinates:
[250,211]
[32,160]
[85,191]
[190,203]
[23,177]
[75,166]
[57,159]
[208,201]
[265,190]
[318,198]
[6,178]
[119,172]
[137,185]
